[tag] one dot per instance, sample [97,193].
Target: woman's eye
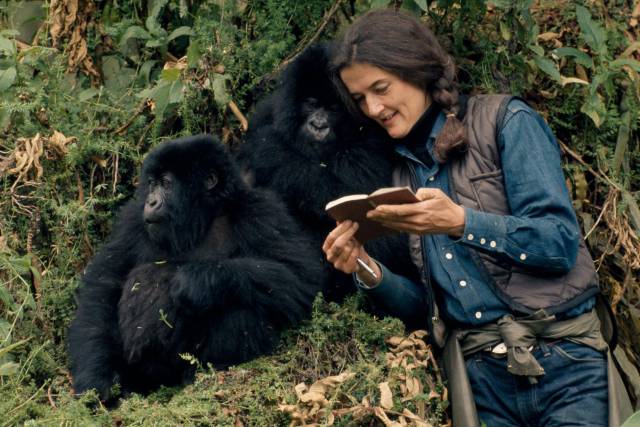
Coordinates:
[381,90]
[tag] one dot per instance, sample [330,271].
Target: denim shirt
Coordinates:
[542,226]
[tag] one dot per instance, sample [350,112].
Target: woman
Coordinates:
[495,234]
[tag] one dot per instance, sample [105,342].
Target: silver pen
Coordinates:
[367,268]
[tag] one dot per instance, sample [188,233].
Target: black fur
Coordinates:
[309,170]
[218,278]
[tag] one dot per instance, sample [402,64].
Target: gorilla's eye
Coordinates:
[309,105]
[210,181]
[165,181]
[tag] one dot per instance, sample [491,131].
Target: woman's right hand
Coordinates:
[343,250]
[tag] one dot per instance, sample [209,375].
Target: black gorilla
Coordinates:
[197,263]
[304,144]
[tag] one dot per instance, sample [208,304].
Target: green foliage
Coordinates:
[172,67]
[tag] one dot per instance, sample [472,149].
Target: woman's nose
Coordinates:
[374,107]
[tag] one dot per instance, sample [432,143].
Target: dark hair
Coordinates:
[402,45]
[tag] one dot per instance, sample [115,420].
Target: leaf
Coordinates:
[135,32]
[547,66]
[219,88]
[87,94]
[592,31]
[622,62]
[154,43]
[7,77]
[386,398]
[549,36]
[5,350]
[152,23]
[170,74]
[579,56]
[505,32]
[538,50]
[145,71]
[9,368]
[594,108]
[622,143]
[633,47]
[175,92]
[194,54]
[7,46]
[634,210]
[422,4]
[567,80]
[180,31]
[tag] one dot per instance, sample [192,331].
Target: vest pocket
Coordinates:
[488,189]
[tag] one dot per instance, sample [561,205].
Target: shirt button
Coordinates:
[478,315]
[492,244]
[523,257]
[483,241]
[448,255]
[431,178]
[463,283]
[470,237]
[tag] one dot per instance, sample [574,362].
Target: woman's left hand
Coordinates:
[436,213]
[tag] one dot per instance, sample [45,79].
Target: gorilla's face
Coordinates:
[185,183]
[321,123]
[177,210]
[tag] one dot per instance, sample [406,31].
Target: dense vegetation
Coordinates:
[88,87]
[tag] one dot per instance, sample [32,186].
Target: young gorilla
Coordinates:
[197,263]
[304,144]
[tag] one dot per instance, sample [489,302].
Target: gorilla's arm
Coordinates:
[273,268]
[93,337]
[268,287]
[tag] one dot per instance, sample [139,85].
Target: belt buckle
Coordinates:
[499,349]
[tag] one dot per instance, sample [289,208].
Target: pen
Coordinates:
[367,268]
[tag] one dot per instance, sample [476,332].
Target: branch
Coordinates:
[236,112]
[599,175]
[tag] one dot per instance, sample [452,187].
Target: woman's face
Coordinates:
[393,103]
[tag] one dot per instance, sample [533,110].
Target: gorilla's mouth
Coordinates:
[319,134]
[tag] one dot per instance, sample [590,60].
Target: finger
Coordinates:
[334,234]
[395,212]
[428,193]
[350,264]
[340,243]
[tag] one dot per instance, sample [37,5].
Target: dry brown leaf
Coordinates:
[414,387]
[382,416]
[102,162]
[386,398]
[549,36]
[434,395]
[69,19]
[417,420]
[59,143]
[180,64]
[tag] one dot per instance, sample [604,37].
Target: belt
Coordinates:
[520,335]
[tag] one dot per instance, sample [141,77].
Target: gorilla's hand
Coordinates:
[190,286]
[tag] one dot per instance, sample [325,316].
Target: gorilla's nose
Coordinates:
[319,123]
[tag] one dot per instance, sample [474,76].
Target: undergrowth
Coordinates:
[81,104]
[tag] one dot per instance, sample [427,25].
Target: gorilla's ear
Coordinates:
[210,181]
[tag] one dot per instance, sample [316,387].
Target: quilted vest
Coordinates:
[476,181]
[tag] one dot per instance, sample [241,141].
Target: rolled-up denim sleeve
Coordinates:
[397,296]
[541,233]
